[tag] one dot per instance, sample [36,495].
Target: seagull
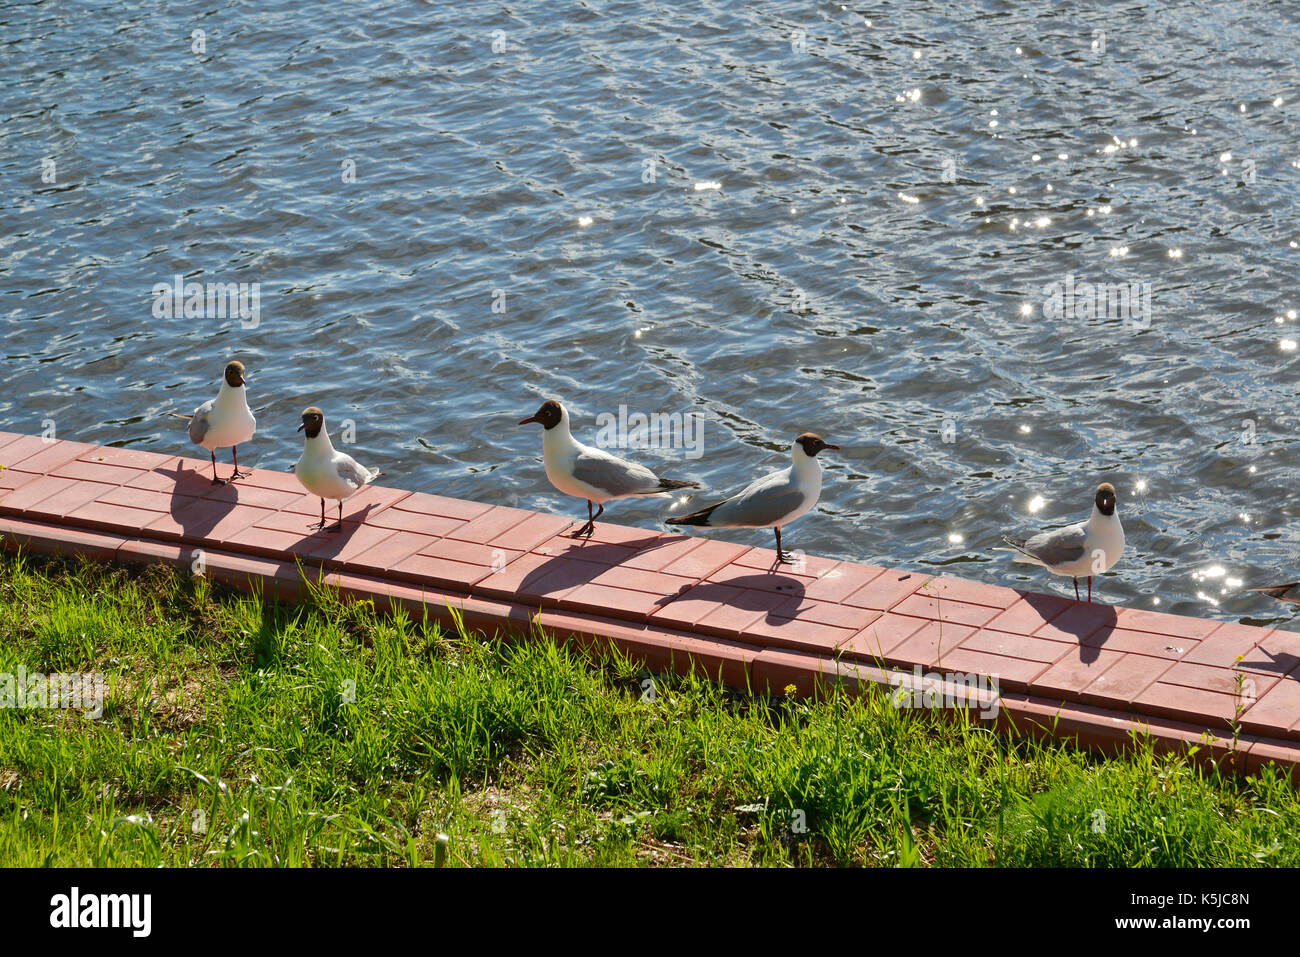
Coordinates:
[772,501]
[1084,548]
[224,421]
[583,472]
[325,472]
[1288,592]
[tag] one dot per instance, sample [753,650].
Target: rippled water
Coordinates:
[895,188]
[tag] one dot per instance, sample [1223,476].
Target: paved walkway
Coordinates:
[1064,668]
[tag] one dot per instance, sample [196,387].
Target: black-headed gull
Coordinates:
[774,500]
[326,472]
[592,474]
[225,421]
[1084,548]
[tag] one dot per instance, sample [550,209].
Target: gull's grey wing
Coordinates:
[764,502]
[1058,546]
[199,422]
[614,475]
[352,471]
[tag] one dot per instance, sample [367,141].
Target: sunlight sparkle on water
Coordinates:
[1036,504]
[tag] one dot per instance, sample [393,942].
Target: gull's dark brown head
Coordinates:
[1106,498]
[549,414]
[234,374]
[313,420]
[812,443]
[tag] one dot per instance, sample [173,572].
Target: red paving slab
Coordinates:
[878,638]
[974,593]
[51,457]
[943,609]
[886,590]
[1085,671]
[1071,674]
[932,645]
[1030,613]
[11,479]
[25,447]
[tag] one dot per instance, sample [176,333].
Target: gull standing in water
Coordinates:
[1084,548]
[772,501]
[325,472]
[224,421]
[592,474]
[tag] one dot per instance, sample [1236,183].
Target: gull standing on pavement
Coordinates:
[774,500]
[326,472]
[592,474]
[1084,548]
[224,421]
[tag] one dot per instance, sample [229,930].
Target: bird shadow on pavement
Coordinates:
[323,544]
[761,593]
[190,508]
[1091,623]
[579,561]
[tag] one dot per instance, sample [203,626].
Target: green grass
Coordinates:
[237,731]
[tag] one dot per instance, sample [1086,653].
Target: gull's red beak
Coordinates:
[303,426]
[835,447]
[531,418]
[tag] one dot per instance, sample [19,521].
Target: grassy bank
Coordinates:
[239,731]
